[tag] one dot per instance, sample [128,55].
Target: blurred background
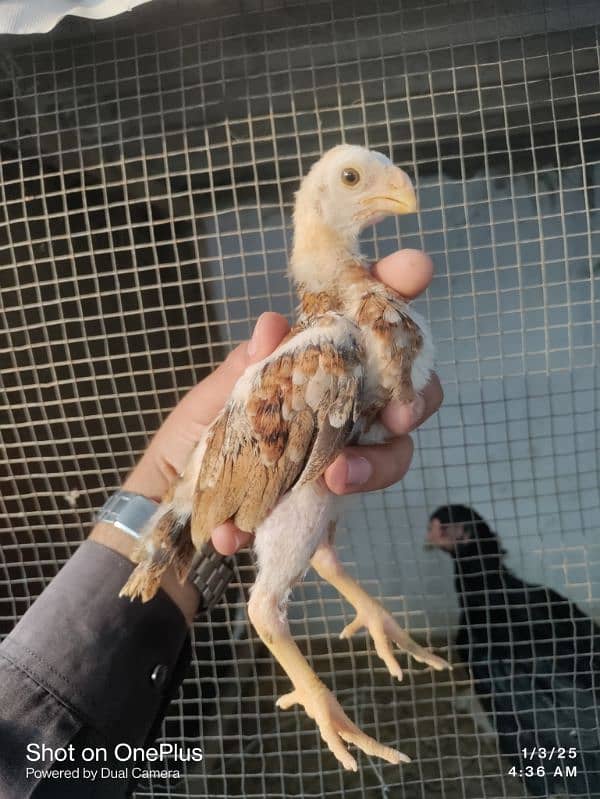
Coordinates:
[148,164]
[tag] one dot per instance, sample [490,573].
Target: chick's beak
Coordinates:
[396,197]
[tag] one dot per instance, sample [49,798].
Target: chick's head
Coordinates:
[350,188]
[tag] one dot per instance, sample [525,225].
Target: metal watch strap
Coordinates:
[210,571]
[128,511]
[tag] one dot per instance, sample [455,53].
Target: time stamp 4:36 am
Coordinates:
[554,761]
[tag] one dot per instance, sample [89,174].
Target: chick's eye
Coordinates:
[350,176]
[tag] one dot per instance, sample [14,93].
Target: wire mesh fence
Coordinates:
[148,165]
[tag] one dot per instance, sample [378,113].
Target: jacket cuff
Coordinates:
[112,662]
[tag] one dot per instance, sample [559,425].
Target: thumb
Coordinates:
[173,444]
[205,400]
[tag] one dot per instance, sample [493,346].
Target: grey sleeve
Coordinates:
[87,668]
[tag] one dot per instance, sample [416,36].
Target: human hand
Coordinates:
[358,468]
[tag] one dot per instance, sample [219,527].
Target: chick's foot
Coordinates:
[335,727]
[385,632]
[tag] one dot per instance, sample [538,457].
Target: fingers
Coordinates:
[408,272]
[365,468]
[401,418]
[369,468]
[227,538]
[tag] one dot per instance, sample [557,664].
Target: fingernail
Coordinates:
[417,410]
[253,343]
[252,347]
[359,471]
[239,541]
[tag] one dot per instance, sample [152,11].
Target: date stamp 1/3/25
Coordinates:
[554,762]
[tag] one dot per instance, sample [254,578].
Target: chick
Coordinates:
[357,345]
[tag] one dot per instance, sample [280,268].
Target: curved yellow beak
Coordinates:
[399,200]
[393,195]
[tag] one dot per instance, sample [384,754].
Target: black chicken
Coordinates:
[534,657]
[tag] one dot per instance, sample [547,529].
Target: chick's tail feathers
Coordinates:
[167,543]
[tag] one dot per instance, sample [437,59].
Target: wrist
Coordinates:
[185,595]
[148,480]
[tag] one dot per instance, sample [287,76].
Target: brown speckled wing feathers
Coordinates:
[291,421]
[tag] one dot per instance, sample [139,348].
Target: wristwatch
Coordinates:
[210,572]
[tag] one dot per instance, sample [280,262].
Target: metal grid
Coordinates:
[148,166]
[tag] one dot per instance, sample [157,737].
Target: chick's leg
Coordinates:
[284,544]
[319,703]
[370,613]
